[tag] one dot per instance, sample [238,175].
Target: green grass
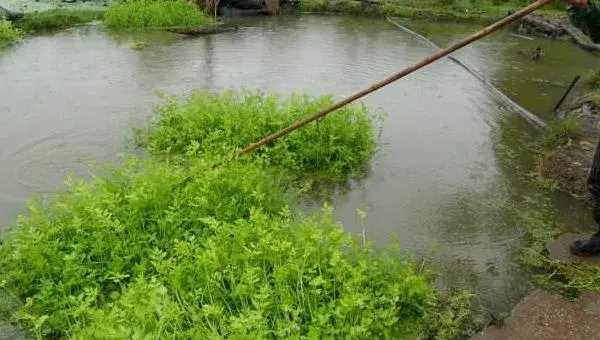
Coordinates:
[171,248]
[431,10]
[57,19]
[539,220]
[138,45]
[532,208]
[339,146]
[9,35]
[560,132]
[592,80]
[138,14]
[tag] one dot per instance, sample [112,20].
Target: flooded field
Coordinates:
[70,98]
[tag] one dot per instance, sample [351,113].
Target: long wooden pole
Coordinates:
[400,74]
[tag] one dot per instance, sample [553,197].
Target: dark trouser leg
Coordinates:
[592,245]
[597,213]
[593,183]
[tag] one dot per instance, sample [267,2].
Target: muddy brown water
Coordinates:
[68,98]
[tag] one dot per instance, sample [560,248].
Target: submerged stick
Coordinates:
[581,42]
[566,93]
[392,78]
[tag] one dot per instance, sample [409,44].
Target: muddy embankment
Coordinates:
[569,164]
[577,125]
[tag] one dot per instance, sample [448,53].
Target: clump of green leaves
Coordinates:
[138,45]
[560,132]
[592,80]
[171,247]
[137,14]
[453,315]
[218,124]
[57,19]
[156,250]
[9,34]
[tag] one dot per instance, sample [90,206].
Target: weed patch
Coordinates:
[139,14]
[172,248]
[592,80]
[138,45]
[146,254]
[560,133]
[431,10]
[535,213]
[218,124]
[9,34]
[57,19]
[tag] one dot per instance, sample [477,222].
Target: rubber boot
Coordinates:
[589,247]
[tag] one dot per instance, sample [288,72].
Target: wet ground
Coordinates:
[437,182]
[543,316]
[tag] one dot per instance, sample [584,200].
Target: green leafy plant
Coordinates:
[218,124]
[560,132]
[138,14]
[138,45]
[171,247]
[453,315]
[159,250]
[57,19]
[592,80]
[9,34]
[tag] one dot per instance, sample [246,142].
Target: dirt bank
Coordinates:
[554,27]
[569,164]
[544,316]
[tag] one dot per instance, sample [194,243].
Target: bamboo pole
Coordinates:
[530,117]
[400,74]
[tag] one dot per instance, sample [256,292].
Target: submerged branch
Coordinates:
[579,40]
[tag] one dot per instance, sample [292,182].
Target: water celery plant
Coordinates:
[9,34]
[169,247]
[205,123]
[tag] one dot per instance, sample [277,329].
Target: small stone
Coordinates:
[576,164]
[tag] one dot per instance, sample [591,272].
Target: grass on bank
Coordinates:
[9,35]
[57,19]
[434,10]
[560,133]
[592,83]
[535,212]
[539,220]
[139,14]
[592,80]
[171,248]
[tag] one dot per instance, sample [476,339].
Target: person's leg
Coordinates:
[591,246]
